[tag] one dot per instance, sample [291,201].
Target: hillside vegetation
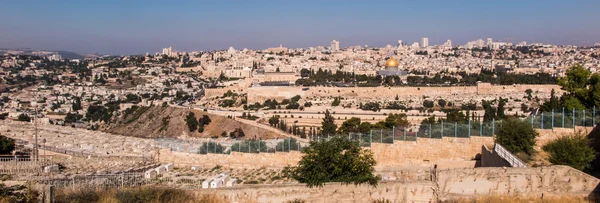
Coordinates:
[158,121]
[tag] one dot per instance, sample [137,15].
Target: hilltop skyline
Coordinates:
[137,27]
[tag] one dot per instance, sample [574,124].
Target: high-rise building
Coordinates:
[335,45]
[448,43]
[167,51]
[489,41]
[55,57]
[425,42]
[415,45]
[399,43]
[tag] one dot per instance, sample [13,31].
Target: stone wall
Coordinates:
[422,191]
[402,154]
[530,182]
[234,160]
[260,94]
[489,158]
[540,182]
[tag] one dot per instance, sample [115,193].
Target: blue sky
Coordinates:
[136,27]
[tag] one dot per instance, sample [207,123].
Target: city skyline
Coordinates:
[137,27]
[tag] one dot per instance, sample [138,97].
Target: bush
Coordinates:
[24,117]
[517,136]
[573,150]
[7,145]
[346,162]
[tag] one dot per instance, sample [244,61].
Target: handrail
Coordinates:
[511,158]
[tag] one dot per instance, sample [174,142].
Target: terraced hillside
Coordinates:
[157,121]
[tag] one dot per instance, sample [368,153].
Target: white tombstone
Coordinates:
[150,174]
[219,181]
[160,170]
[195,168]
[169,167]
[206,183]
[51,168]
[231,182]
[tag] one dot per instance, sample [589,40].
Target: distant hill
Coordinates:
[63,54]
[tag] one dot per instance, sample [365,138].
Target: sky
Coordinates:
[138,27]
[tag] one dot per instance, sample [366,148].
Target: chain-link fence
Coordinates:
[441,129]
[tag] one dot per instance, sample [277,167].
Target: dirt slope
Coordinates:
[156,121]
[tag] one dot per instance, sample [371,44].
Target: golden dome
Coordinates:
[391,63]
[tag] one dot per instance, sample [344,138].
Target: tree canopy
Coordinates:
[517,136]
[334,160]
[574,151]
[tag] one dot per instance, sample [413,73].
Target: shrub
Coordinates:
[346,162]
[517,136]
[573,150]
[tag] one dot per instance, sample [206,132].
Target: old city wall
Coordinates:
[531,182]
[553,181]
[423,191]
[259,94]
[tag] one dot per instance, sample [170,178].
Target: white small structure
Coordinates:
[206,184]
[169,167]
[219,181]
[149,174]
[160,170]
[195,168]
[51,168]
[231,182]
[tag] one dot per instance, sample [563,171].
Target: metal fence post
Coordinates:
[532,117]
[493,126]
[289,144]
[215,147]
[371,138]
[563,117]
[583,116]
[404,133]
[442,133]
[552,119]
[430,130]
[393,133]
[259,147]
[380,135]
[469,129]
[455,126]
[542,119]
[574,118]
[480,128]
[594,116]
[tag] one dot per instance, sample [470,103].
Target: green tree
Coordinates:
[336,101]
[328,125]
[191,122]
[517,136]
[573,150]
[24,117]
[7,145]
[350,126]
[76,104]
[346,162]
[442,103]
[428,104]
[528,92]
[274,120]
[552,104]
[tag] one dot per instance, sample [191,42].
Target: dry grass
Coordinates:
[133,195]
[513,199]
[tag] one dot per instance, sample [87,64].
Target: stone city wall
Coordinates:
[259,94]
